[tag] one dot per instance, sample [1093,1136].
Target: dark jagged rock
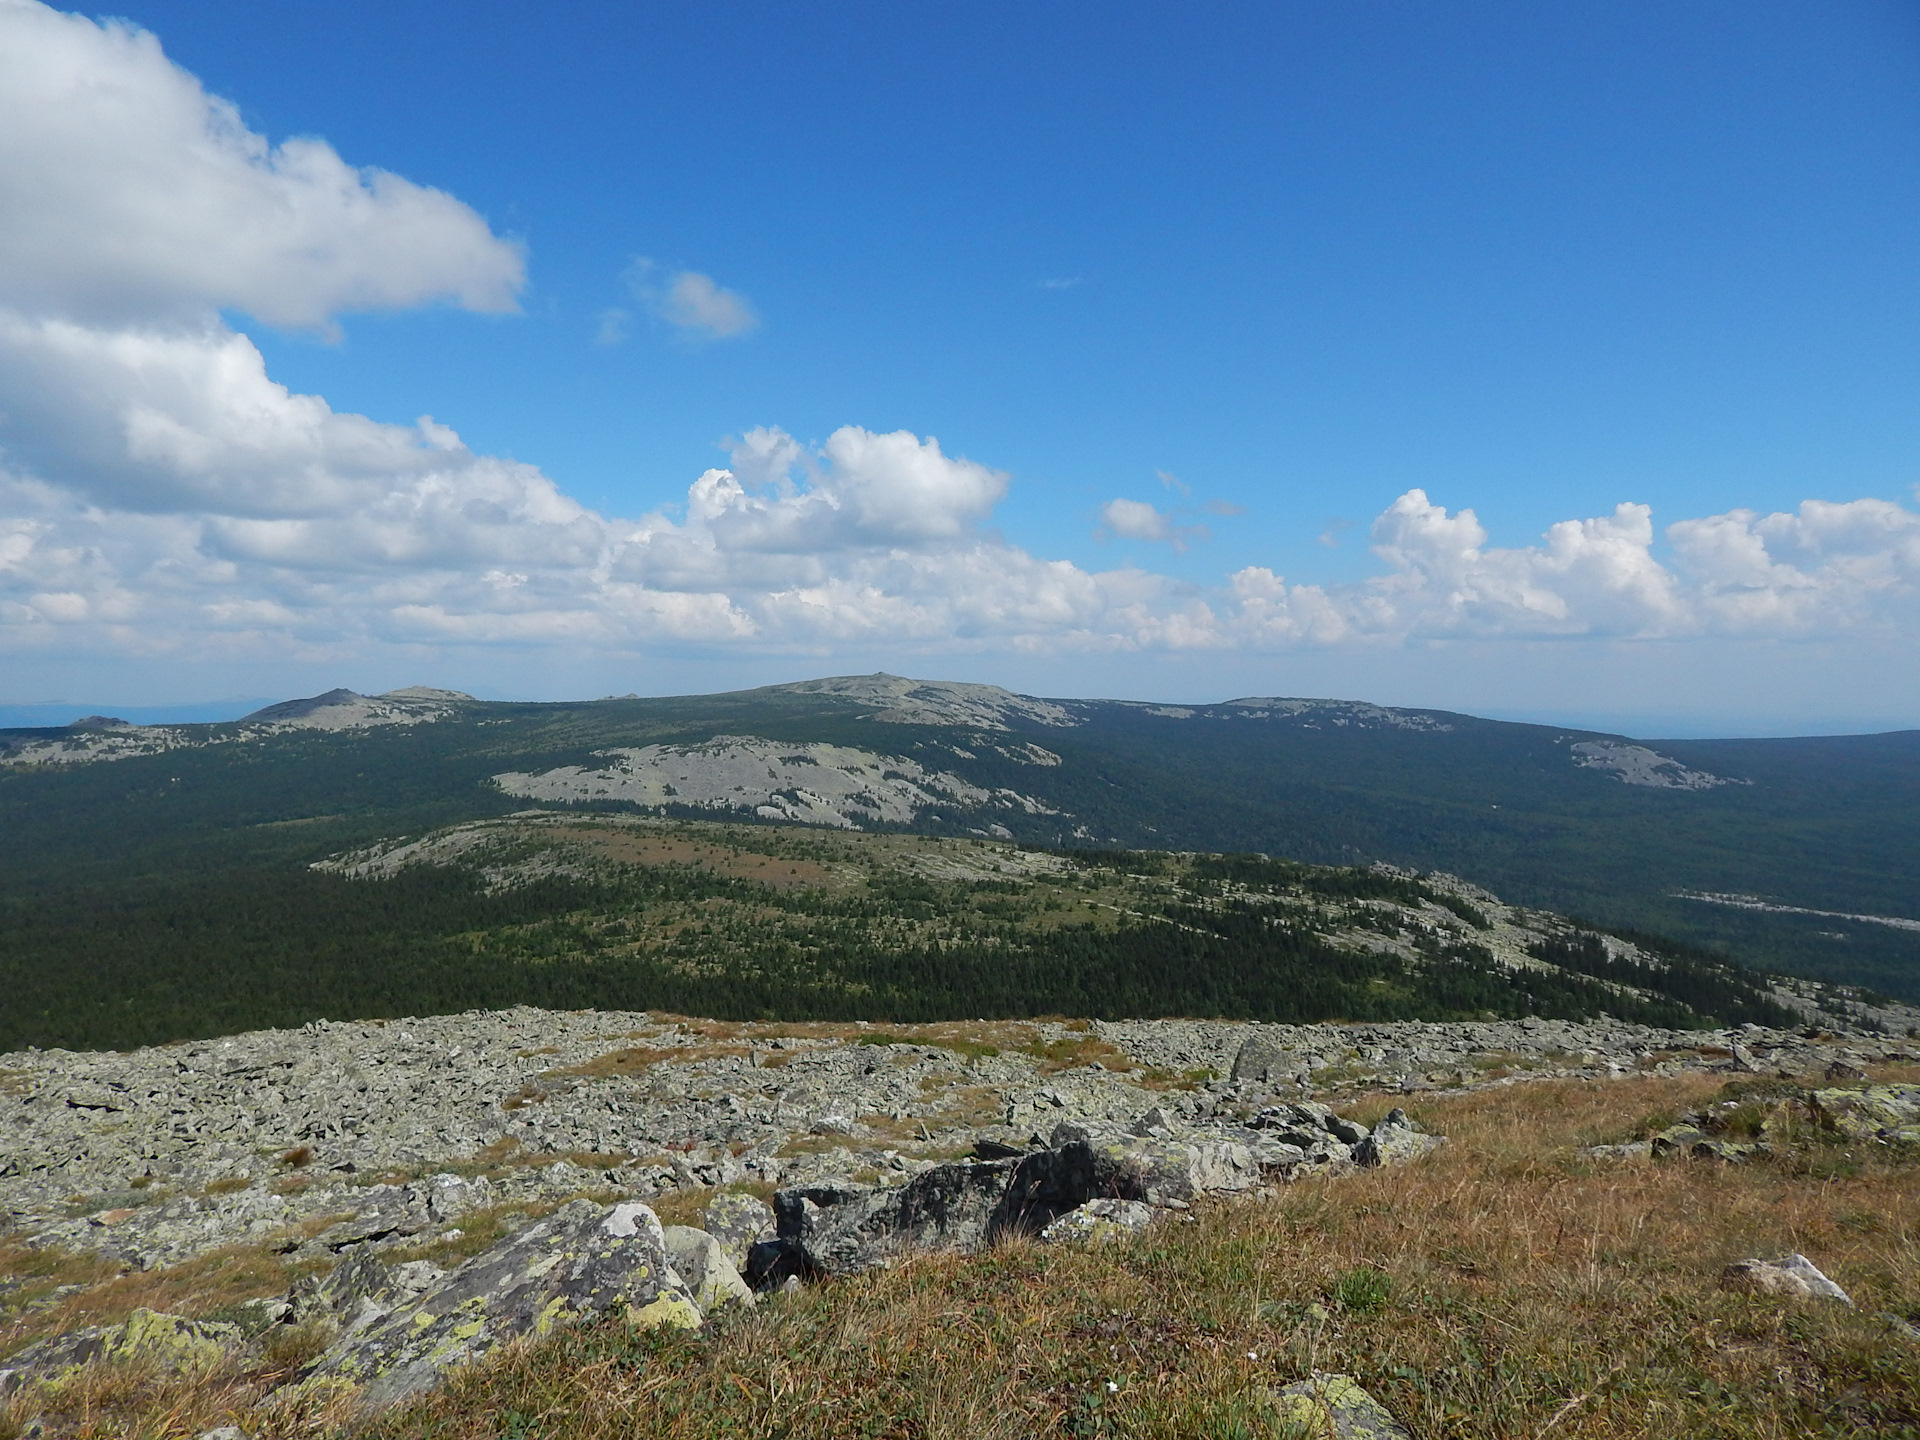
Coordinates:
[840,1229]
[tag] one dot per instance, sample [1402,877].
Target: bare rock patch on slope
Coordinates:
[935,702]
[1638,765]
[814,784]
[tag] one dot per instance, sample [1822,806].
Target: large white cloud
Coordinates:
[1830,568]
[133,196]
[160,493]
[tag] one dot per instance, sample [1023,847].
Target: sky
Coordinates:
[1548,362]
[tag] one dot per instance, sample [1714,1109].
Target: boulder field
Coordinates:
[361,1153]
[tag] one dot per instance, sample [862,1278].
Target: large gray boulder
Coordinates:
[842,1229]
[361,1290]
[1262,1057]
[584,1260]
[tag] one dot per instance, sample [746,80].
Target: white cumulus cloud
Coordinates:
[133,196]
[162,494]
[1139,520]
[690,302]
[1829,568]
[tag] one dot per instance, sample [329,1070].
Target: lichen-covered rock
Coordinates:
[1793,1275]
[1099,1220]
[1871,1112]
[362,1289]
[703,1267]
[1676,1140]
[1334,1407]
[1395,1141]
[1625,1150]
[739,1222]
[584,1260]
[151,1337]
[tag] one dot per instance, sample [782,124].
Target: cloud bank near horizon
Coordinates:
[162,495]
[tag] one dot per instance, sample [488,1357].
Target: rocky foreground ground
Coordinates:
[346,1149]
[154,1156]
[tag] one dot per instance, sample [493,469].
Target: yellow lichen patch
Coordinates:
[171,1340]
[666,1310]
[551,1314]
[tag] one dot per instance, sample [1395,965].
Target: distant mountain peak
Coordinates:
[934,702]
[344,709]
[424,692]
[1357,714]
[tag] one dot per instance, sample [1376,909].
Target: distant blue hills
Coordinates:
[59,712]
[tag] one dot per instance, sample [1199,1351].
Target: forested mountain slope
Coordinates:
[171,846]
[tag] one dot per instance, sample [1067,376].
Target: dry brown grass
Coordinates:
[109,1292]
[1504,1287]
[632,846]
[1525,1292]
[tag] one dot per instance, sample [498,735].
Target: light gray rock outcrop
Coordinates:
[1098,1220]
[1395,1141]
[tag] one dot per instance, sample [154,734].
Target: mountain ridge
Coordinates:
[1623,832]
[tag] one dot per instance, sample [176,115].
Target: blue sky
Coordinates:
[1265,269]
